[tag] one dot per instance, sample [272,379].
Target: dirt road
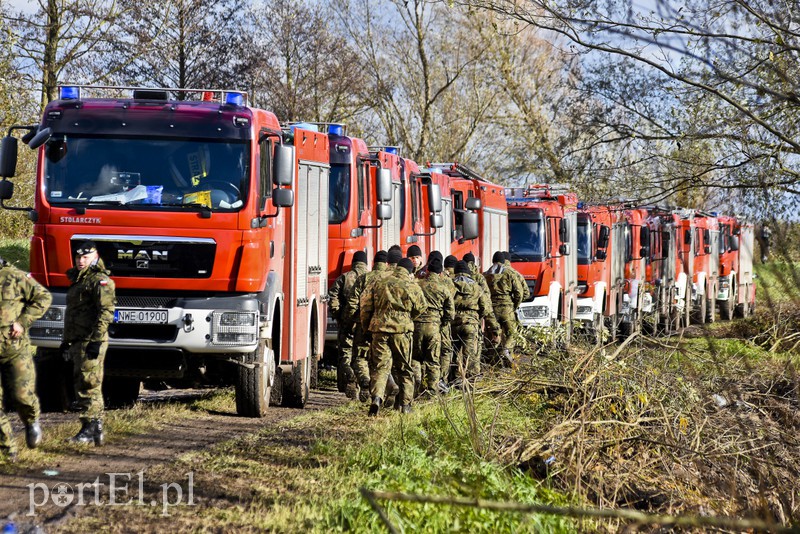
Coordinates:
[48,493]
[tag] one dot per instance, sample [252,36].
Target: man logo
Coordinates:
[142,264]
[154,255]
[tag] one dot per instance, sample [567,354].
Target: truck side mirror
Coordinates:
[600,255]
[6,190]
[563,230]
[282,198]
[435,199]
[470,225]
[8,157]
[40,138]
[733,242]
[383,211]
[603,235]
[665,239]
[687,237]
[472,204]
[564,249]
[284,165]
[437,221]
[384,186]
[644,237]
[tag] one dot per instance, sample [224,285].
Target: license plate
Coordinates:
[141,316]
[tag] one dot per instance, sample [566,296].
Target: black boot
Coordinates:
[99,436]
[375,407]
[33,434]
[90,432]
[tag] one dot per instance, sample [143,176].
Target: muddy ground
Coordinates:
[128,456]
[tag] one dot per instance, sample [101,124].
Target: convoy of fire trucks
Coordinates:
[223,229]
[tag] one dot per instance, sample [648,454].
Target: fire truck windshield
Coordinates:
[584,242]
[339,199]
[159,173]
[526,239]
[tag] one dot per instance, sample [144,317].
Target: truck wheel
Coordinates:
[295,394]
[53,383]
[727,307]
[121,392]
[254,386]
[699,313]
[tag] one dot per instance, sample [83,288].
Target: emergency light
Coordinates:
[391,150]
[69,92]
[336,129]
[234,99]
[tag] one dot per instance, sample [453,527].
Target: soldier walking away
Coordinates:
[415,255]
[338,298]
[428,327]
[23,300]
[506,298]
[472,305]
[389,308]
[90,309]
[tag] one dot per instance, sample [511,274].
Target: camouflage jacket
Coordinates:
[503,287]
[339,294]
[524,292]
[90,304]
[23,299]
[439,299]
[353,306]
[392,304]
[472,304]
[478,277]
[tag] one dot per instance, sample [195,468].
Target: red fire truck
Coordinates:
[542,230]
[476,218]
[737,291]
[601,268]
[636,301]
[701,249]
[213,223]
[662,280]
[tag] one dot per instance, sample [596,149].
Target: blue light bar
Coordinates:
[70,92]
[336,129]
[304,126]
[390,150]
[234,99]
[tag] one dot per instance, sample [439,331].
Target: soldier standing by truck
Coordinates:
[429,326]
[23,300]
[90,309]
[338,297]
[472,306]
[389,308]
[506,297]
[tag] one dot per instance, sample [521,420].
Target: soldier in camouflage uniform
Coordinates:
[388,310]
[506,298]
[521,283]
[428,326]
[472,305]
[23,300]
[338,297]
[475,273]
[446,357]
[415,255]
[90,309]
[382,268]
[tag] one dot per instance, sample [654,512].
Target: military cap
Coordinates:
[413,250]
[469,257]
[394,256]
[86,247]
[435,265]
[381,256]
[507,255]
[462,267]
[435,254]
[406,264]
[498,257]
[360,257]
[450,261]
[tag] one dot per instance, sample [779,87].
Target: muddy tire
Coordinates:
[699,313]
[297,383]
[728,307]
[53,381]
[254,385]
[121,392]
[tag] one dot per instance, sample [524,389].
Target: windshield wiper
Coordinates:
[184,205]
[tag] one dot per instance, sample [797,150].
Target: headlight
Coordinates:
[534,312]
[54,313]
[234,328]
[582,310]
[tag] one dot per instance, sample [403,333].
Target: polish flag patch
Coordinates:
[103,282]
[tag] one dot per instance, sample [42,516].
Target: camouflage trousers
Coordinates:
[391,353]
[446,355]
[360,362]
[426,355]
[87,376]
[346,353]
[507,317]
[467,339]
[18,376]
